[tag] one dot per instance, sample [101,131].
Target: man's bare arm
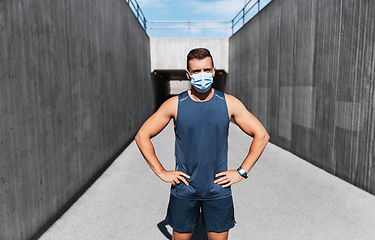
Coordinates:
[153,126]
[251,126]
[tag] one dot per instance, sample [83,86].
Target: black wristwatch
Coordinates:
[242,172]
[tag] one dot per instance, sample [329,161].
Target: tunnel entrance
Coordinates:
[169,83]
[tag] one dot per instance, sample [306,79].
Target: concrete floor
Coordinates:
[284,198]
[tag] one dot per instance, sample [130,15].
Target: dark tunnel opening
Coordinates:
[168,83]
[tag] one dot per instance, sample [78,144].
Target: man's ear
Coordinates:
[187,74]
[213,73]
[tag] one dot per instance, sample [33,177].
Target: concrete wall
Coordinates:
[306,70]
[170,53]
[75,86]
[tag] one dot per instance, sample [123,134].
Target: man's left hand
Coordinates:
[227,178]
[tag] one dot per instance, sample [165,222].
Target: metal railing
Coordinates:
[134,6]
[241,15]
[252,7]
[192,27]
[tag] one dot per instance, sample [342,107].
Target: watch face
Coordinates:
[242,171]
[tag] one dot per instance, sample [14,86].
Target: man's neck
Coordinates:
[201,97]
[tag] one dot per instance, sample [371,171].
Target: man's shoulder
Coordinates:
[230,98]
[172,100]
[233,103]
[218,92]
[183,94]
[169,104]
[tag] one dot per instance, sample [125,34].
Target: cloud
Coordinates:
[221,9]
[153,3]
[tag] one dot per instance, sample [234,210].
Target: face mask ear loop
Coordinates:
[189,75]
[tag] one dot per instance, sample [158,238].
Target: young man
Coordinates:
[201,180]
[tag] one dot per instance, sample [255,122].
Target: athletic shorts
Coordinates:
[217,215]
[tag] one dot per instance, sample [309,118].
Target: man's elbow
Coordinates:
[138,138]
[265,137]
[141,137]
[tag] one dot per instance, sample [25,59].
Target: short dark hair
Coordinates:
[198,53]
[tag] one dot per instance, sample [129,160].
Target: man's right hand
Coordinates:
[174,177]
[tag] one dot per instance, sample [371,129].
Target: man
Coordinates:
[201,180]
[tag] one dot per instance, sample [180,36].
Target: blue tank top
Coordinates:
[201,146]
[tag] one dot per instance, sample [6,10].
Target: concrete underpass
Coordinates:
[284,198]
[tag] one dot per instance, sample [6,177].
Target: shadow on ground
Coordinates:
[199,234]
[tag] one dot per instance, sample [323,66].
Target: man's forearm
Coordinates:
[257,146]
[147,149]
[148,152]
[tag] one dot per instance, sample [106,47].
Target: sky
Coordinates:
[194,10]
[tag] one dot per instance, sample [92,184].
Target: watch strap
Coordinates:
[243,174]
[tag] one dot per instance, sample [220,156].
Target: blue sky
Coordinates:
[193,10]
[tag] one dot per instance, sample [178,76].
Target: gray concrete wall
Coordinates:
[75,86]
[170,53]
[306,70]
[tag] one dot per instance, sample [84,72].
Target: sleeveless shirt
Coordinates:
[201,146]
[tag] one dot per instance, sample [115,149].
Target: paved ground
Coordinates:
[284,198]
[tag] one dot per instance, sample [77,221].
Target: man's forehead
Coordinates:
[201,63]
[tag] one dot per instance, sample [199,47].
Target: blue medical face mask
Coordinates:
[202,81]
